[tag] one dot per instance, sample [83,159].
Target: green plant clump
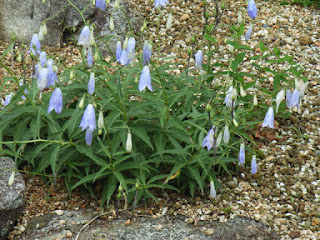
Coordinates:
[134,126]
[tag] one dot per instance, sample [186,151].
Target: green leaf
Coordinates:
[196,176]
[276,51]
[109,188]
[53,160]
[237,60]
[141,133]
[88,152]
[262,46]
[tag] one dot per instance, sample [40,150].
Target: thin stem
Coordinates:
[39,140]
[78,10]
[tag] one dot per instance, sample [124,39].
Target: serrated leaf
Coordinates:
[237,60]
[141,133]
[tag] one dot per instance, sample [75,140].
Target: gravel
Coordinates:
[285,194]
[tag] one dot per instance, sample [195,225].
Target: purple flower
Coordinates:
[161,3]
[131,52]
[242,155]
[84,38]
[91,84]
[248,33]
[101,4]
[7,99]
[89,57]
[35,45]
[147,48]
[88,137]
[56,101]
[254,166]
[145,79]
[42,79]
[51,75]
[230,96]
[292,99]
[252,9]
[269,119]
[208,141]
[198,59]
[43,58]
[124,60]
[118,51]
[88,120]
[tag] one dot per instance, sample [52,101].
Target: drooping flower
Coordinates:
[255,100]
[89,57]
[252,9]
[55,101]
[124,60]
[279,98]
[118,51]
[88,120]
[35,45]
[249,32]
[292,99]
[131,48]
[7,99]
[42,79]
[91,84]
[88,137]
[254,166]
[147,49]
[301,87]
[213,192]
[230,96]
[43,58]
[84,38]
[160,3]
[198,59]
[101,4]
[242,155]
[208,141]
[129,142]
[145,79]
[226,134]
[52,75]
[269,119]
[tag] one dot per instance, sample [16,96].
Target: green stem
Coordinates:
[78,10]
[38,140]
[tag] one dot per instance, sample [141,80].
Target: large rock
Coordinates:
[22,19]
[69,224]
[12,198]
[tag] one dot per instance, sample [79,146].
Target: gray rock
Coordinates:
[22,19]
[12,198]
[68,225]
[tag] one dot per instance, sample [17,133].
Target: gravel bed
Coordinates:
[285,194]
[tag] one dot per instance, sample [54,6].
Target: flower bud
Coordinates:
[189,50]
[81,102]
[108,1]
[129,142]
[242,92]
[19,58]
[169,21]
[206,15]
[92,40]
[11,179]
[144,26]
[208,107]
[111,24]
[240,17]
[100,120]
[43,1]
[223,5]
[99,131]
[71,75]
[125,42]
[116,5]
[235,123]
[96,55]
[213,193]
[193,39]
[218,141]
[255,100]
